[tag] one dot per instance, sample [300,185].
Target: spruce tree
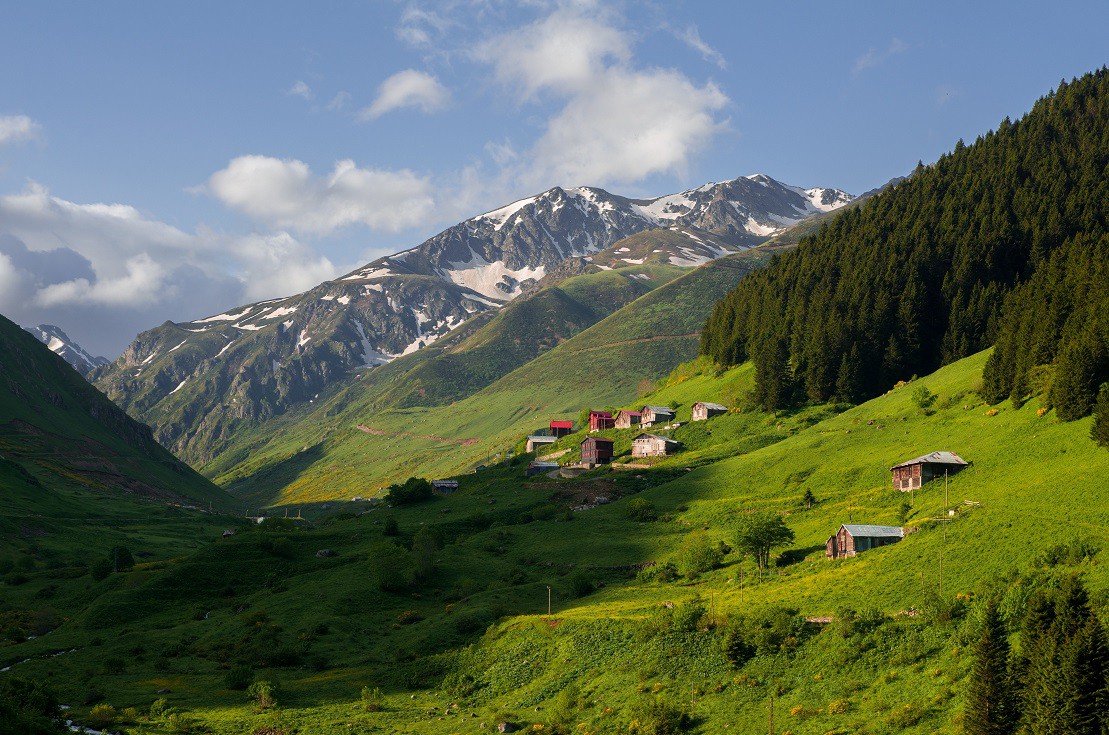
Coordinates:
[989,708]
[1099,432]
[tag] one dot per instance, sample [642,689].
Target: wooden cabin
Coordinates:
[444,487]
[628,419]
[601,420]
[596,450]
[653,445]
[703,411]
[656,415]
[537,441]
[541,468]
[850,539]
[912,474]
[562,428]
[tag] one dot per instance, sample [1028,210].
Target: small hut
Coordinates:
[535,442]
[444,487]
[910,475]
[628,419]
[228,533]
[653,445]
[562,428]
[854,539]
[656,415]
[541,468]
[703,411]
[596,450]
[601,420]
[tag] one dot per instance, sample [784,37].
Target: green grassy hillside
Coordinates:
[472,630]
[320,453]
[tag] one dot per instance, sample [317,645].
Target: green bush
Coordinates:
[663,572]
[412,490]
[580,583]
[101,715]
[657,717]
[100,569]
[641,509]
[372,699]
[263,694]
[698,555]
[238,677]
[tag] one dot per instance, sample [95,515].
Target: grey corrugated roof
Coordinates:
[655,436]
[713,406]
[542,438]
[934,458]
[874,531]
[658,409]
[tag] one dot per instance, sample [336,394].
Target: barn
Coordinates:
[596,450]
[656,415]
[537,441]
[628,419]
[562,428]
[601,420]
[702,410]
[653,445]
[910,475]
[854,539]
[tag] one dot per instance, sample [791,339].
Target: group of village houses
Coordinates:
[848,541]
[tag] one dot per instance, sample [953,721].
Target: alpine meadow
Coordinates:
[476,434]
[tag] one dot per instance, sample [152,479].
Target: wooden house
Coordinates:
[628,419]
[653,445]
[562,428]
[850,540]
[444,487]
[596,450]
[656,415]
[702,410]
[228,533]
[540,468]
[601,420]
[912,474]
[535,442]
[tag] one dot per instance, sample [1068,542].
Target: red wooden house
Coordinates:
[600,420]
[912,474]
[562,428]
[596,450]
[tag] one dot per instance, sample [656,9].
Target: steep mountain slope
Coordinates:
[921,274]
[60,344]
[58,429]
[196,382]
[348,444]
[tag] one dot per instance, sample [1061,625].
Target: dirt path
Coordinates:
[379,432]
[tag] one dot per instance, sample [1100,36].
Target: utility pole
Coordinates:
[712,609]
[548,604]
[772,715]
[946,506]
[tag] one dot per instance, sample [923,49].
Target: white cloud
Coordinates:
[300,89]
[340,101]
[285,193]
[876,57]
[617,123]
[278,264]
[14,128]
[420,27]
[408,88]
[692,37]
[563,52]
[142,284]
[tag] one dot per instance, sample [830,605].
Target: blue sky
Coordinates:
[169,160]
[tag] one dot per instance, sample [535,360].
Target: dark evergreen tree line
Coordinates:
[1001,241]
[1056,684]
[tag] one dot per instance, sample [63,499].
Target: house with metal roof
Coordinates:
[536,441]
[653,445]
[595,451]
[656,414]
[601,420]
[703,410]
[852,539]
[562,428]
[628,419]
[913,473]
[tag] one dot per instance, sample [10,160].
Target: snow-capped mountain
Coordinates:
[193,380]
[60,344]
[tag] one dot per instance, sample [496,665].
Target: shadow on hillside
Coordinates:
[262,488]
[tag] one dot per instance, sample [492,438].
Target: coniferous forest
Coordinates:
[1003,242]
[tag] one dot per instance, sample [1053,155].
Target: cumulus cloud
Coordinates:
[15,128]
[616,122]
[285,193]
[876,57]
[420,27]
[408,88]
[105,271]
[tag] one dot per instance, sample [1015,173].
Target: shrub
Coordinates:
[100,569]
[121,559]
[698,555]
[372,700]
[664,572]
[159,708]
[641,509]
[391,527]
[580,583]
[389,567]
[263,694]
[408,617]
[238,677]
[657,717]
[101,715]
[412,490]
[923,398]
[687,616]
[735,644]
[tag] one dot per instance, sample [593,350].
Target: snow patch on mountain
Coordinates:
[64,347]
